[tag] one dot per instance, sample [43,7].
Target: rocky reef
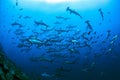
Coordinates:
[8,70]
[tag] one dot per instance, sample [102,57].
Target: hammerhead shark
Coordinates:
[101,13]
[74,12]
[88,24]
[16,3]
[41,23]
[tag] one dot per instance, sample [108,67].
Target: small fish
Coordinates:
[58,23]
[75,51]
[71,26]
[19,32]
[114,37]
[21,9]
[34,40]
[66,18]
[74,41]
[27,17]
[45,75]
[108,51]
[60,17]
[61,30]
[20,16]
[41,58]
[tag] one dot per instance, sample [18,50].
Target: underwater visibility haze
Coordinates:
[62,39]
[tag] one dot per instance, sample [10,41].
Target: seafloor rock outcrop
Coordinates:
[8,70]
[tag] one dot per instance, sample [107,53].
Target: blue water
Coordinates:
[67,48]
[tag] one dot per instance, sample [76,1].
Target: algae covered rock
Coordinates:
[8,70]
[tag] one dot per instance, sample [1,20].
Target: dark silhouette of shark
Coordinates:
[101,13]
[60,17]
[74,12]
[16,3]
[41,23]
[16,24]
[89,25]
[108,34]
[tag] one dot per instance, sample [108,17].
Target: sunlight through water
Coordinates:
[60,5]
